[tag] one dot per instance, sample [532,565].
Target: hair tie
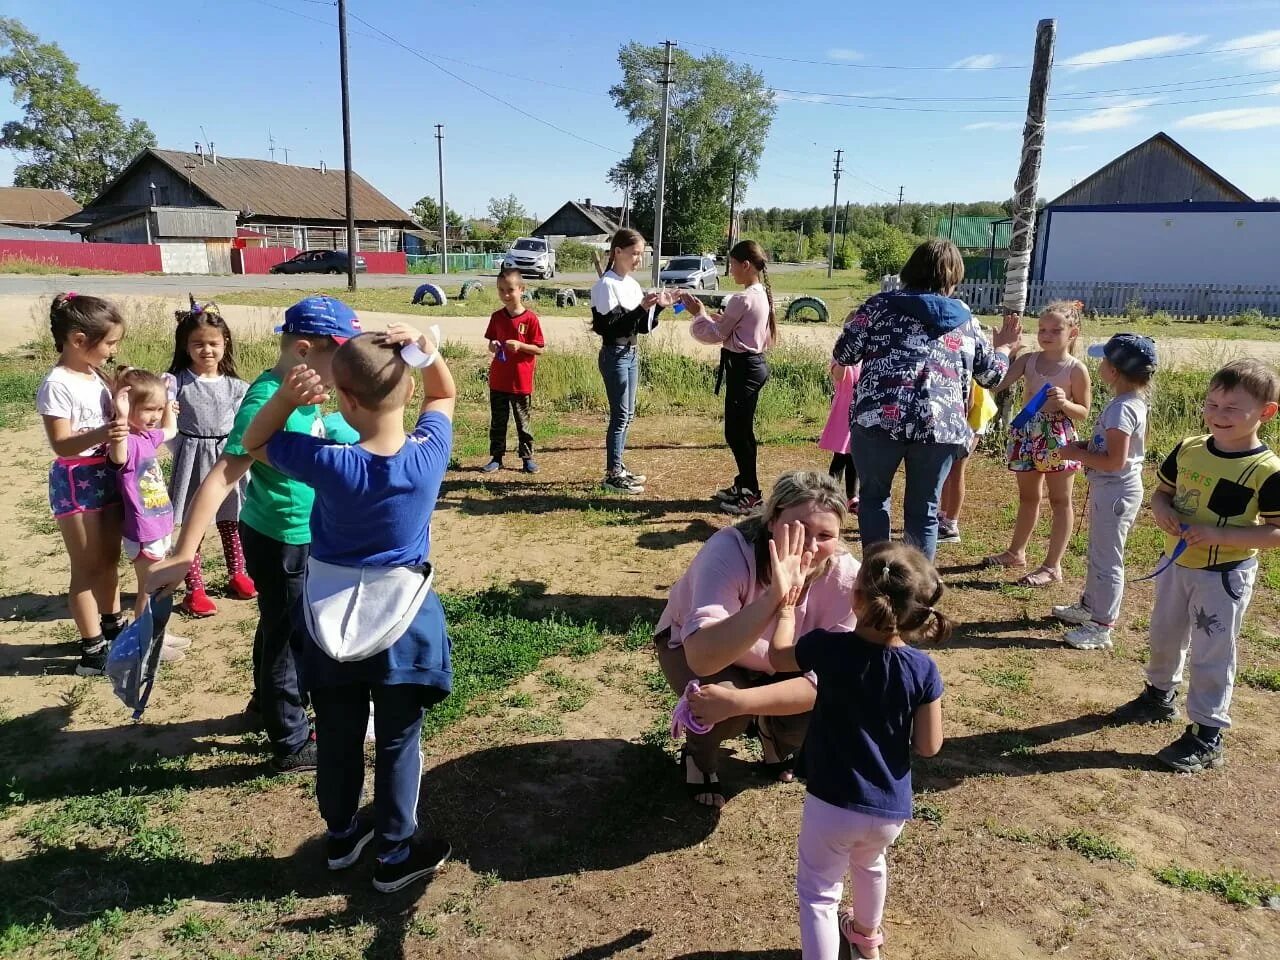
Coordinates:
[884,574]
[69,295]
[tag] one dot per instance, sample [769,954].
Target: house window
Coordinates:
[386,240]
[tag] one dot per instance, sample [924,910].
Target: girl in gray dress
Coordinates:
[203,379]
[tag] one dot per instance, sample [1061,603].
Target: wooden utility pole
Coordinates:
[1026,185]
[662,163]
[353,242]
[733,212]
[444,214]
[835,205]
[901,190]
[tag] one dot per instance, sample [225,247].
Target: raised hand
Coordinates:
[401,333]
[692,304]
[789,562]
[1010,332]
[122,403]
[303,387]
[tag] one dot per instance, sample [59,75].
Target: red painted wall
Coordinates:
[125,257]
[262,259]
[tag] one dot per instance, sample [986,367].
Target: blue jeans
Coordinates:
[620,370]
[877,456]
[342,715]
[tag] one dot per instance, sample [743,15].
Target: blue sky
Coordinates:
[247,69]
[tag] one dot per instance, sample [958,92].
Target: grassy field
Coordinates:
[46,268]
[1040,832]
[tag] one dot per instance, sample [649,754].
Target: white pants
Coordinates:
[1113,506]
[1200,610]
[834,841]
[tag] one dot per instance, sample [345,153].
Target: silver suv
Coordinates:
[695,273]
[532,256]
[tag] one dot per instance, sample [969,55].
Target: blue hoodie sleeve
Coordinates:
[989,365]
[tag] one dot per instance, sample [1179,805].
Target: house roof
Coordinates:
[1122,169]
[270,189]
[607,219]
[29,205]
[970,233]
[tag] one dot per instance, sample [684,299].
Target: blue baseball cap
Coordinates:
[1130,353]
[321,317]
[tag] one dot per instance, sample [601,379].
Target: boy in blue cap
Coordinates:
[1112,458]
[274,525]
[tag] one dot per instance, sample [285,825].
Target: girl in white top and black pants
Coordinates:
[620,312]
[745,330]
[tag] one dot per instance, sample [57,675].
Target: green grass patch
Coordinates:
[1260,678]
[47,268]
[1005,678]
[1233,886]
[1091,846]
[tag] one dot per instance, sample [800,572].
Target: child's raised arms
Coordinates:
[301,387]
[438,391]
[789,562]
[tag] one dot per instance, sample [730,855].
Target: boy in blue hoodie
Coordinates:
[920,351]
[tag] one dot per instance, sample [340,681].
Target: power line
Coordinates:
[1018,66]
[963,110]
[481,90]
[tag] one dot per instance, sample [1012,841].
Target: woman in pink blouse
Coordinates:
[721,614]
[744,331]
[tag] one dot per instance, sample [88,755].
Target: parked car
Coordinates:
[532,256]
[696,273]
[319,261]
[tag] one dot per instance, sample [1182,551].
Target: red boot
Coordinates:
[241,586]
[198,604]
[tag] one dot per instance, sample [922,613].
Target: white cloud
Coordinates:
[1241,118]
[844,53]
[1260,49]
[993,125]
[1113,117]
[1151,47]
[979,61]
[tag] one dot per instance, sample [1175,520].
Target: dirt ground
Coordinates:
[1039,826]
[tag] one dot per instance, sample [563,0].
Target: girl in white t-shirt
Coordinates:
[79,418]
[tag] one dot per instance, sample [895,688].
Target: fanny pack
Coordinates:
[354,613]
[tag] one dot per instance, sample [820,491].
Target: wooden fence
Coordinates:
[1182,301]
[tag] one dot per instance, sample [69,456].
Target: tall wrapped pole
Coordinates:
[1025,186]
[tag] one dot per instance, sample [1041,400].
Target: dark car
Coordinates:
[319,261]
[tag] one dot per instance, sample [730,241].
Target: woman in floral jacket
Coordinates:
[919,349]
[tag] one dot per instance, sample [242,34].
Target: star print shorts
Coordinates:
[81,485]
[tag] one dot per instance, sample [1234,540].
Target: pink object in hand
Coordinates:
[682,718]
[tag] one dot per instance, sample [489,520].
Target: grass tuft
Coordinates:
[1233,886]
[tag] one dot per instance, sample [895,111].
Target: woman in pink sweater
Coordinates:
[721,614]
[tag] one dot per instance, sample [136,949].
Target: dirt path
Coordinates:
[23,317]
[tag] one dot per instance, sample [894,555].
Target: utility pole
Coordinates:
[353,242]
[835,201]
[662,161]
[626,204]
[844,227]
[901,190]
[1028,179]
[733,212]
[444,214]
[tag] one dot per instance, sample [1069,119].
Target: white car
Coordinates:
[695,273]
[532,256]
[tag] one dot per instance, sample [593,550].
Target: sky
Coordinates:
[242,73]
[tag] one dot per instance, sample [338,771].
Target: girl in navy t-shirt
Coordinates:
[878,698]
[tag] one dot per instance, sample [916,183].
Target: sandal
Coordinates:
[867,946]
[707,787]
[1041,577]
[784,770]
[1002,560]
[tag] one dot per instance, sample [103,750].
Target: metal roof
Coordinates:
[1158,170]
[970,233]
[29,205]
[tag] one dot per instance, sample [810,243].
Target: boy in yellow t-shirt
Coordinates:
[1220,494]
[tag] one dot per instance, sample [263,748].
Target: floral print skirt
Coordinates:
[1041,445]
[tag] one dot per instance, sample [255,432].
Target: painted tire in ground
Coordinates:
[566,298]
[801,304]
[470,287]
[430,295]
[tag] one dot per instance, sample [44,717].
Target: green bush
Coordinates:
[885,252]
[1135,310]
[574,255]
[847,255]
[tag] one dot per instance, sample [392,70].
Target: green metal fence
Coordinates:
[458,262]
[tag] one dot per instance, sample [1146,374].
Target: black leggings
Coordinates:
[843,463]
[744,375]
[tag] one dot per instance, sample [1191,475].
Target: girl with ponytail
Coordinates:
[745,330]
[878,699]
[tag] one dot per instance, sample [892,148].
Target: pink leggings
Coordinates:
[832,841]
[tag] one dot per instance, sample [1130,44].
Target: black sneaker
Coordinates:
[744,503]
[424,859]
[93,659]
[1191,753]
[726,495]
[1150,706]
[344,852]
[948,532]
[302,760]
[634,477]
[621,483]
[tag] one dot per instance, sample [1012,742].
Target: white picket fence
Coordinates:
[1182,301]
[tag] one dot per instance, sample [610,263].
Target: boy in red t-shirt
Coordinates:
[515,340]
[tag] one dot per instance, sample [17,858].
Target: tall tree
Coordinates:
[509,215]
[427,212]
[70,137]
[720,113]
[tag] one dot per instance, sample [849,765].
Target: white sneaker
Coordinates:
[1089,636]
[176,642]
[169,654]
[1072,613]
